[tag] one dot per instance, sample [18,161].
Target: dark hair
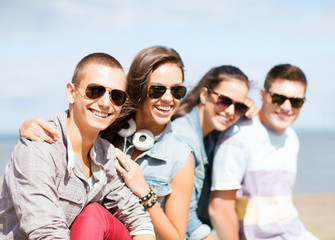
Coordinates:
[138,77]
[211,79]
[287,72]
[94,58]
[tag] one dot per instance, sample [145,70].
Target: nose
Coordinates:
[230,110]
[105,100]
[286,105]
[167,96]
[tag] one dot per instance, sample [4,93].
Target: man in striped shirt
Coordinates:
[254,166]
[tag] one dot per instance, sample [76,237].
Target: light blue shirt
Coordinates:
[189,130]
[162,162]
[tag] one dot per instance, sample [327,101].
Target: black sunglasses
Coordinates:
[224,102]
[156,91]
[279,99]
[95,91]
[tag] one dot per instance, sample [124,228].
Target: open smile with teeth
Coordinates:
[224,118]
[164,108]
[100,114]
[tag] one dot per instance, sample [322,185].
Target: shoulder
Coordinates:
[174,144]
[37,158]
[241,131]
[292,136]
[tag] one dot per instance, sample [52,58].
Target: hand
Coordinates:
[252,111]
[38,130]
[132,174]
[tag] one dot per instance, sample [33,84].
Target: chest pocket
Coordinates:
[160,185]
[72,196]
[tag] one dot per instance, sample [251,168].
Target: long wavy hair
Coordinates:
[138,78]
[210,80]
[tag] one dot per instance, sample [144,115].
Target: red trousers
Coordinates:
[95,222]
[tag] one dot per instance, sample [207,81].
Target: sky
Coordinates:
[41,42]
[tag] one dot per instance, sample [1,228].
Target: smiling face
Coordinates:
[154,114]
[218,118]
[94,115]
[280,117]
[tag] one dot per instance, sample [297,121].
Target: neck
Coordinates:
[205,128]
[141,123]
[262,119]
[82,141]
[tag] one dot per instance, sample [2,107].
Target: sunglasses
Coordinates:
[95,91]
[156,91]
[224,102]
[279,99]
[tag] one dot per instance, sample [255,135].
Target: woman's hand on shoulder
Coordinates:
[253,110]
[38,130]
[132,174]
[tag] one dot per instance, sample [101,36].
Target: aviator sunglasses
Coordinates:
[95,91]
[156,91]
[225,102]
[279,99]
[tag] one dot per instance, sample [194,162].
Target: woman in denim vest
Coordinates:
[155,164]
[216,103]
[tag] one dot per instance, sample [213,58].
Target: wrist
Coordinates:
[146,197]
[150,202]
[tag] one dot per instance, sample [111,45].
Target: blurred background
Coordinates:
[42,41]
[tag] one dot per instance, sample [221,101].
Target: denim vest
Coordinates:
[162,162]
[188,128]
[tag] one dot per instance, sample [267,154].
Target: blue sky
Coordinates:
[42,41]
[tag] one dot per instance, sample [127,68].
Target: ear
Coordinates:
[203,95]
[262,94]
[70,92]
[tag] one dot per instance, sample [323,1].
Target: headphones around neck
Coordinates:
[142,140]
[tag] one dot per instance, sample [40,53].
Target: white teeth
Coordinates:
[100,114]
[167,108]
[224,118]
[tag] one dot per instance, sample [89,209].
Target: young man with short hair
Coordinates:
[70,187]
[254,167]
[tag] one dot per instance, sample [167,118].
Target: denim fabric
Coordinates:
[189,130]
[162,162]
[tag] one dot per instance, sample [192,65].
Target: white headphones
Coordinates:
[142,140]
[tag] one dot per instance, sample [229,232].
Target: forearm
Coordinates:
[226,227]
[164,229]
[223,215]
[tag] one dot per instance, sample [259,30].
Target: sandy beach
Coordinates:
[317,212]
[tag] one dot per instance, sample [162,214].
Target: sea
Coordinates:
[316,161]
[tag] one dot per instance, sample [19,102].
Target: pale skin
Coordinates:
[170,224]
[276,117]
[83,125]
[235,89]
[223,215]
[154,115]
[212,118]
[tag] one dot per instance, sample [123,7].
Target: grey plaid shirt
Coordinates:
[42,193]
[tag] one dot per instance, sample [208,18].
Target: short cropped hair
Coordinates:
[94,58]
[286,72]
